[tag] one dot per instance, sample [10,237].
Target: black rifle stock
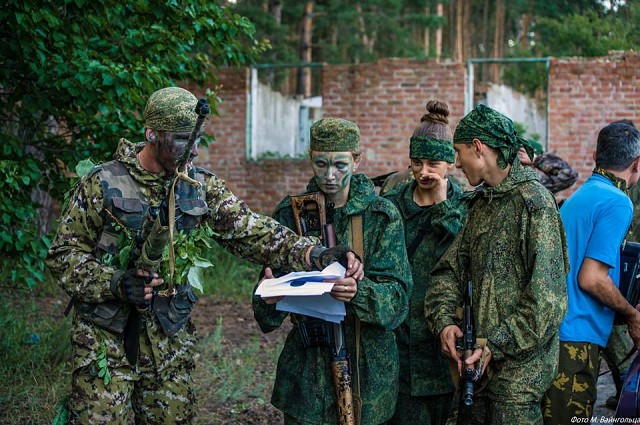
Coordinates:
[309,213]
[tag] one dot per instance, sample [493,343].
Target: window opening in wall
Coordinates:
[284,100]
[516,87]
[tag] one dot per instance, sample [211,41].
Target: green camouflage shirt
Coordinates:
[513,249]
[304,387]
[74,257]
[424,370]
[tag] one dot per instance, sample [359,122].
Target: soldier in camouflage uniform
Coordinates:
[513,250]
[596,217]
[433,209]
[115,197]
[304,390]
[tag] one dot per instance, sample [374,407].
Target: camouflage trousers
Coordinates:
[156,397]
[573,392]
[486,411]
[425,410]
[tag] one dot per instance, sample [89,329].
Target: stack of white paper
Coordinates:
[307,293]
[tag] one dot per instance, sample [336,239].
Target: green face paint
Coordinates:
[332,172]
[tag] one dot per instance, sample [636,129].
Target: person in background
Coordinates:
[304,389]
[619,343]
[433,211]
[596,218]
[146,365]
[513,251]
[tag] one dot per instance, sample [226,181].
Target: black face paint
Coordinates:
[171,146]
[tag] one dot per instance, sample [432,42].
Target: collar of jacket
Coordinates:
[517,175]
[361,192]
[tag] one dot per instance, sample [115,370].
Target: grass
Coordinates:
[35,356]
[35,350]
[231,278]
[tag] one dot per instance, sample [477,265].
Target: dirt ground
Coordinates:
[239,327]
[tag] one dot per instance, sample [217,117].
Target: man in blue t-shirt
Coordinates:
[596,218]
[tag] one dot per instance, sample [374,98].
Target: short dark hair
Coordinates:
[618,146]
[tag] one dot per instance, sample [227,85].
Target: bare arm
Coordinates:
[594,279]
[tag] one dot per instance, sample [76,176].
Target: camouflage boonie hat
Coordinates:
[335,135]
[425,147]
[171,109]
[495,130]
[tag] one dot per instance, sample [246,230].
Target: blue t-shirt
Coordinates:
[596,218]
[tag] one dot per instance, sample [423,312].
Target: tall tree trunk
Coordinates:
[303,87]
[468,30]
[458,44]
[498,39]
[275,10]
[438,38]
[427,34]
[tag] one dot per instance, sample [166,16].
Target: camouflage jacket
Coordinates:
[634,230]
[424,370]
[304,387]
[513,249]
[76,253]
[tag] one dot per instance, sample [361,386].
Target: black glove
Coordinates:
[321,257]
[129,288]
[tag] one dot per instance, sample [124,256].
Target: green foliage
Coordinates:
[103,366]
[189,250]
[75,76]
[588,34]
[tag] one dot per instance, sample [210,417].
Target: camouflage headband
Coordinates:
[335,135]
[422,147]
[171,109]
[495,130]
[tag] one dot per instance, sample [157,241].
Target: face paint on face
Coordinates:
[170,147]
[332,172]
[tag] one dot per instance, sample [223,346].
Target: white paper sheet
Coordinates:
[301,283]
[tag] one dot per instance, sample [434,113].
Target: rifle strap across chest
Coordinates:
[357,243]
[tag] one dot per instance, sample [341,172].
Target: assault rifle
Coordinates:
[469,374]
[309,214]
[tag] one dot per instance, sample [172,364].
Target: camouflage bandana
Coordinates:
[335,135]
[495,130]
[422,147]
[171,109]
[617,181]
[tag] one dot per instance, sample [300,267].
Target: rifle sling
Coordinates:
[357,242]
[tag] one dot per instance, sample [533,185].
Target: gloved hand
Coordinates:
[321,257]
[129,287]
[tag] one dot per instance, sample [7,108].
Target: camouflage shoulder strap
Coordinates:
[357,243]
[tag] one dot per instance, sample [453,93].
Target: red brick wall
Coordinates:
[585,95]
[388,98]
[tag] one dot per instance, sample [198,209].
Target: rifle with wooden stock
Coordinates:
[309,212]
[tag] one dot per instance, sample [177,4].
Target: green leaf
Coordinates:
[84,166]
[196,277]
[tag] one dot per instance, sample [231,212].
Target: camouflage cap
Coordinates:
[171,109]
[335,135]
[426,147]
[495,130]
